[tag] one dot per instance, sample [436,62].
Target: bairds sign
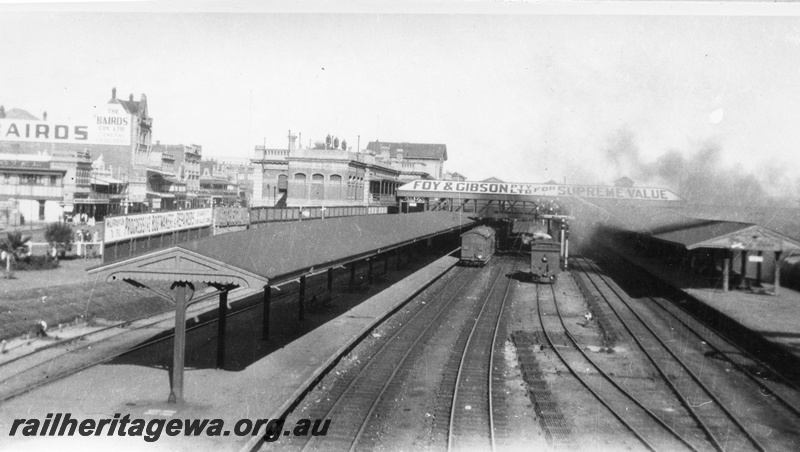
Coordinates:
[109,125]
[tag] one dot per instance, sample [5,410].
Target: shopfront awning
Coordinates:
[158,194]
[157,172]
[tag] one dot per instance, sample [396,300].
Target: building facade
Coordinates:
[107,159]
[217,188]
[31,187]
[327,174]
[185,169]
[422,157]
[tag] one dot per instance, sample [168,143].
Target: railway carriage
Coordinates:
[545,260]
[477,246]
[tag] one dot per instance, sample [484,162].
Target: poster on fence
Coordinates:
[142,225]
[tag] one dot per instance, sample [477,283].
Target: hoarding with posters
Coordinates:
[142,225]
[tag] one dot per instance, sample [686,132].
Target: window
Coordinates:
[299,176]
[318,178]
[336,178]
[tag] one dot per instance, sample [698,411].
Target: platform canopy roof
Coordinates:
[279,252]
[697,233]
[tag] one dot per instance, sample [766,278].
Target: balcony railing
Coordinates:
[376,198]
[32,191]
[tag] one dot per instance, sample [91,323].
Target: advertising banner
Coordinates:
[454,188]
[142,225]
[110,124]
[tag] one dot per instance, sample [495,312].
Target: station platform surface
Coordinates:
[757,312]
[263,389]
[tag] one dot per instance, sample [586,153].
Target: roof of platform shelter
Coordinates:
[727,235]
[694,233]
[283,251]
[679,227]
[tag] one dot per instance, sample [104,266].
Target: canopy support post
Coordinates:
[302,297]
[743,281]
[265,317]
[726,269]
[221,327]
[758,269]
[179,344]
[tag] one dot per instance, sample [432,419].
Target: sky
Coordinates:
[569,93]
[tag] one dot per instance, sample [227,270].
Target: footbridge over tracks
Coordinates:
[268,257]
[528,201]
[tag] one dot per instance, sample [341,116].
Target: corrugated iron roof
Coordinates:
[284,249]
[680,227]
[411,150]
[18,113]
[697,231]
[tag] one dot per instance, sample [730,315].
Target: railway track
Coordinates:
[687,372]
[771,383]
[353,400]
[472,412]
[25,378]
[636,418]
[363,397]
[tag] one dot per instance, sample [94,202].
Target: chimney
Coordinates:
[291,141]
[113,93]
[44,116]
[2,112]
[130,97]
[399,154]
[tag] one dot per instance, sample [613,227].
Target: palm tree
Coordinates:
[14,245]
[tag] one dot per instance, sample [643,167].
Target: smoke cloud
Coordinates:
[700,176]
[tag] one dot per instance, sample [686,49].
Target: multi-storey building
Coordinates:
[118,132]
[31,187]
[422,157]
[186,169]
[329,175]
[217,188]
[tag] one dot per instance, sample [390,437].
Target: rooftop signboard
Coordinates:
[500,190]
[110,125]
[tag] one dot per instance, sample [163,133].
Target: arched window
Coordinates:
[336,178]
[318,177]
[299,176]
